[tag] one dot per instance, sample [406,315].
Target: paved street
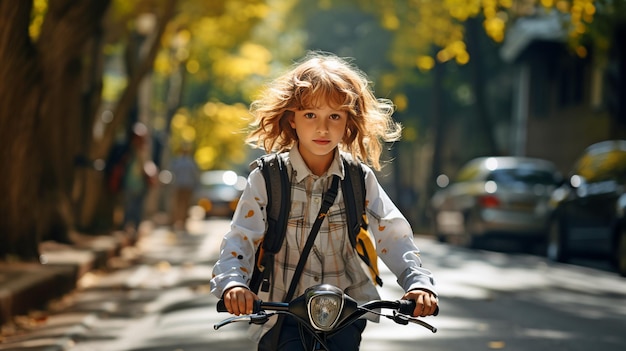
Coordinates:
[157,298]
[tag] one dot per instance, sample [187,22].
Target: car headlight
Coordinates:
[324,305]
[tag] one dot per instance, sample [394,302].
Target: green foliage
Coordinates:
[422,25]
[38,13]
[216,46]
[216,129]
[229,49]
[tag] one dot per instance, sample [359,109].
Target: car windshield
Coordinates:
[222,192]
[221,185]
[521,175]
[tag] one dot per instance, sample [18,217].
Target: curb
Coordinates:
[28,286]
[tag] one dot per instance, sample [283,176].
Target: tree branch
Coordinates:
[101,148]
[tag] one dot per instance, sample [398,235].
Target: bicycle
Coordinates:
[325,309]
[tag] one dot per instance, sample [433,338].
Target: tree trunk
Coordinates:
[616,83]
[41,120]
[485,133]
[19,109]
[439,125]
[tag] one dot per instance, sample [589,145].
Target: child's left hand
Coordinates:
[426,302]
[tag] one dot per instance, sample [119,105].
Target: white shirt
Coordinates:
[332,259]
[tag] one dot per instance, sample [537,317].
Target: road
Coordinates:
[157,299]
[492,300]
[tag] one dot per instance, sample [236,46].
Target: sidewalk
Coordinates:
[104,297]
[29,286]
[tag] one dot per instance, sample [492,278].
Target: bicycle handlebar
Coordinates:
[402,306]
[403,310]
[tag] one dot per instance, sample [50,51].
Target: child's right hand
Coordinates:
[239,300]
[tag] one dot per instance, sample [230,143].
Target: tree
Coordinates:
[206,56]
[51,74]
[92,186]
[40,132]
[436,35]
[55,132]
[224,65]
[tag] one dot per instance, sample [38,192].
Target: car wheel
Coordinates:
[470,238]
[620,254]
[556,249]
[435,230]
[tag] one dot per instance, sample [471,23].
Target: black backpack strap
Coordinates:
[278,188]
[353,188]
[329,199]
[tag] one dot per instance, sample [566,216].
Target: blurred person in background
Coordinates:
[140,173]
[185,179]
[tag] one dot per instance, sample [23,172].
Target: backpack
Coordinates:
[278,187]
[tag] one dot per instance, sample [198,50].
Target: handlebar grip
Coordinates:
[407,307]
[221,306]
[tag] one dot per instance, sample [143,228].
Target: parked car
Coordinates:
[589,216]
[219,192]
[498,197]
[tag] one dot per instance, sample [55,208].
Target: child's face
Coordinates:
[319,129]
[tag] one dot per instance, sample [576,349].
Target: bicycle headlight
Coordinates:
[324,305]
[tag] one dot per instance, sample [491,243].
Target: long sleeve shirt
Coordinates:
[332,259]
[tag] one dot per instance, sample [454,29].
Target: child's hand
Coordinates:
[425,302]
[239,300]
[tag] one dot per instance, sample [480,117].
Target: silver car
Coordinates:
[495,196]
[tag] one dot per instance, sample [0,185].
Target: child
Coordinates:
[321,110]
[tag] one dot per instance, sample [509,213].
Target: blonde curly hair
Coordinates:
[324,77]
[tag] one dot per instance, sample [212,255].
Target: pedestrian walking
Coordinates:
[140,173]
[185,180]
